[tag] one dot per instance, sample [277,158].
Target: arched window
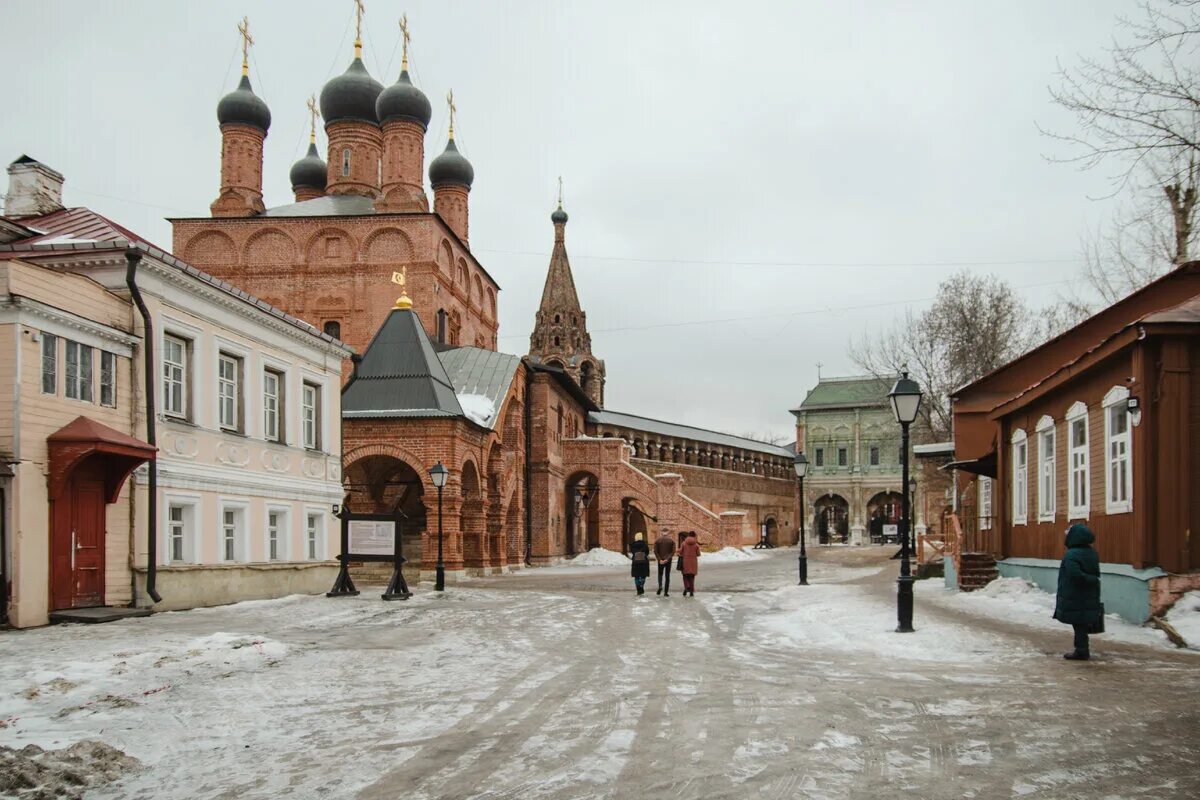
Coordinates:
[556,344]
[443,320]
[346,163]
[557,318]
[333,328]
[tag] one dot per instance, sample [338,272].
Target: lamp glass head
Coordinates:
[906,399]
[439,474]
[801,465]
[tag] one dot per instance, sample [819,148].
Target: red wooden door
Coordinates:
[77,541]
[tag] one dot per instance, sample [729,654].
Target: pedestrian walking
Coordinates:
[689,556]
[664,551]
[1078,601]
[639,553]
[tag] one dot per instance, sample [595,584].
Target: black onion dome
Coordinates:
[559,217]
[402,100]
[351,95]
[451,167]
[309,172]
[243,107]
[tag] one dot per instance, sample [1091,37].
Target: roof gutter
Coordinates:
[132,257]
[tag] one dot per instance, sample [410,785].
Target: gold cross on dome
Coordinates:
[314,113]
[453,108]
[405,36]
[560,191]
[359,10]
[247,40]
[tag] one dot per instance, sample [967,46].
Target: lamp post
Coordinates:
[583,496]
[906,399]
[439,474]
[801,465]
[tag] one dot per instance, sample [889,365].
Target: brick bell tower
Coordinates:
[560,329]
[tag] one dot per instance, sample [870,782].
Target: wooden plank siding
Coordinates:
[1116,539]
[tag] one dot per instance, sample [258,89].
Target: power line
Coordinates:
[707,262]
[784,314]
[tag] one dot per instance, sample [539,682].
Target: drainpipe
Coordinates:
[132,257]
[528,466]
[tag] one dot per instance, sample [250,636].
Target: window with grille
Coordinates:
[49,363]
[79,371]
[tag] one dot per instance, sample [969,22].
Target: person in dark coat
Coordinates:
[639,553]
[689,554]
[664,553]
[1078,600]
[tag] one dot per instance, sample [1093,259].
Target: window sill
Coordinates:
[1047,518]
[1123,509]
[232,432]
[1078,514]
[177,420]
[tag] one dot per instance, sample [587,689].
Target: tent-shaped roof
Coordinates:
[400,375]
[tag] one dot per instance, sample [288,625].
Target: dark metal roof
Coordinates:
[400,375]
[330,205]
[661,428]
[564,379]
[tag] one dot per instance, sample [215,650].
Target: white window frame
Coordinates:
[274,407]
[50,355]
[310,414]
[1078,463]
[108,378]
[282,533]
[189,504]
[83,378]
[309,515]
[1047,484]
[984,502]
[176,373]
[240,542]
[1020,477]
[1117,397]
[230,392]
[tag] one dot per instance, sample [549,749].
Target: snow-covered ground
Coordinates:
[571,686]
[1018,600]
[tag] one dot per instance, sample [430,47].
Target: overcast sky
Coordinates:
[750,184]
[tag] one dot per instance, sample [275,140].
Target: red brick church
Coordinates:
[539,469]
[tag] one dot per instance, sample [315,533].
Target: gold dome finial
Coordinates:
[359,10]
[405,35]
[247,40]
[400,279]
[453,108]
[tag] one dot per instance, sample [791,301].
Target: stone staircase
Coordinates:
[976,570]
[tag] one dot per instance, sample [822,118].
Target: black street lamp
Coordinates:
[439,474]
[801,464]
[906,399]
[583,497]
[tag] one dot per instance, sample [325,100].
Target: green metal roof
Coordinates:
[850,392]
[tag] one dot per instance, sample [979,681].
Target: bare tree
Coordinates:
[976,324]
[767,437]
[1138,110]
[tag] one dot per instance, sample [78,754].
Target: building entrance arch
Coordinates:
[633,520]
[832,519]
[884,509]
[385,484]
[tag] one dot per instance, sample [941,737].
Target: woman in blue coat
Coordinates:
[1078,601]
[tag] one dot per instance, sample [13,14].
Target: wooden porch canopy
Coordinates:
[985,465]
[85,437]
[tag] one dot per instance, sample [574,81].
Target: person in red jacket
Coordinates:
[689,553]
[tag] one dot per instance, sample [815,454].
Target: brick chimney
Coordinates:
[33,189]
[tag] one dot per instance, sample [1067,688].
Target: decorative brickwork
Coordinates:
[241,172]
[355,152]
[403,186]
[450,203]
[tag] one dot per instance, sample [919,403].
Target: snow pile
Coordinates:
[66,773]
[478,408]
[236,650]
[599,557]
[1184,617]
[727,555]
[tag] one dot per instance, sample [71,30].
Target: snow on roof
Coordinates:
[478,408]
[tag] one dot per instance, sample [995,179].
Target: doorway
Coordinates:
[77,539]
